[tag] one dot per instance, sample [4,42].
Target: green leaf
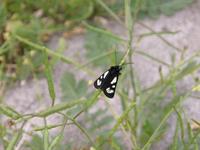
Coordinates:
[166,113]
[102,119]
[20,53]
[59,107]
[171,6]
[62,46]
[182,128]
[187,70]
[15,139]
[3,16]
[28,31]
[46,138]
[2,131]
[36,143]
[174,145]
[55,141]
[48,73]
[103,122]
[84,7]
[122,118]
[98,44]
[48,127]
[103,31]
[153,8]
[113,143]
[10,112]
[72,89]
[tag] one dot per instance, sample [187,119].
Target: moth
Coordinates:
[107,82]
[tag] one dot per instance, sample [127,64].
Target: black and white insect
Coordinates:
[107,82]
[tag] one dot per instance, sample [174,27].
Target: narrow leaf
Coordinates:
[55,141]
[10,112]
[48,127]
[180,119]
[189,69]
[175,138]
[48,73]
[168,113]
[46,137]
[58,107]
[16,137]
[121,119]
[102,31]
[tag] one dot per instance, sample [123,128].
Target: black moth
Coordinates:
[107,82]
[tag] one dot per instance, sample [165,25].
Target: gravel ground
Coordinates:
[33,94]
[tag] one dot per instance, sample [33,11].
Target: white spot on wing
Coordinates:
[114,80]
[113,86]
[108,90]
[101,77]
[98,82]
[105,74]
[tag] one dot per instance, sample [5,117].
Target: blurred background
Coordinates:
[51,52]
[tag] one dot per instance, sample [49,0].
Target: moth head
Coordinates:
[115,69]
[118,68]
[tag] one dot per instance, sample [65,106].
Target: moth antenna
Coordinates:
[115,56]
[127,63]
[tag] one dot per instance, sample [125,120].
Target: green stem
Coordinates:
[103,31]
[82,129]
[130,22]
[51,53]
[153,136]
[110,11]
[159,36]
[152,58]
[157,129]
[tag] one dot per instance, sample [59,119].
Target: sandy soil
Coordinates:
[33,95]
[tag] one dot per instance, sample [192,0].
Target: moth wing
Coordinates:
[100,81]
[109,88]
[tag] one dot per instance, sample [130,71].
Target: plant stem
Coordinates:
[158,35]
[51,53]
[129,23]
[110,11]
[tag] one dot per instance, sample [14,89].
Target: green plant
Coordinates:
[41,19]
[141,121]
[72,87]
[36,21]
